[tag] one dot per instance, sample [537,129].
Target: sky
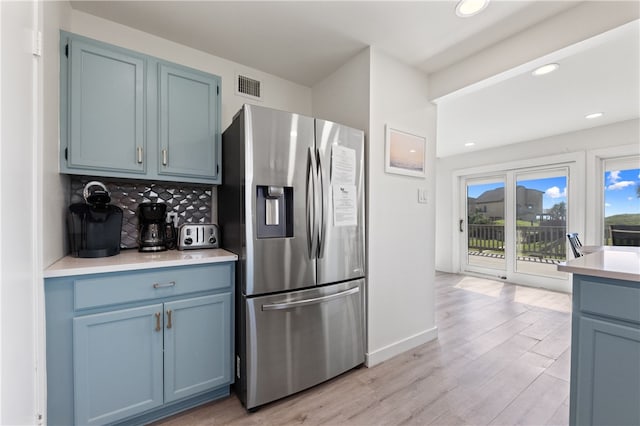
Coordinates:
[619,190]
[620,194]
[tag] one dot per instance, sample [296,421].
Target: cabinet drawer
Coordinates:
[114,288]
[615,301]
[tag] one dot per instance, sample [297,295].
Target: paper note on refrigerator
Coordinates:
[345,207]
[343,165]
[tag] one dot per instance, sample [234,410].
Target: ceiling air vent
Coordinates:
[248,87]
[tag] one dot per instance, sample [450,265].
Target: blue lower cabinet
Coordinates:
[605,352]
[196,345]
[117,364]
[149,355]
[608,376]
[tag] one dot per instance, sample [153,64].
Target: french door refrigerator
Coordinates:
[292,207]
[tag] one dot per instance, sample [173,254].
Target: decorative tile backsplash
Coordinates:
[193,203]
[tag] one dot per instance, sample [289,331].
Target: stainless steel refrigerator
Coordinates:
[292,207]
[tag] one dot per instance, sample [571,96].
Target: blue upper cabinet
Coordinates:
[125,114]
[189,128]
[106,109]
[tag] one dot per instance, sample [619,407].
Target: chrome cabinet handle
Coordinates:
[169,284]
[158,326]
[169,318]
[164,157]
[313,301]
[139,152]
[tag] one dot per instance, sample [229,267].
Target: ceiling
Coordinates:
[601,74]
[305,41]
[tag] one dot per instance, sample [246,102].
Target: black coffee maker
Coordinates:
[94,226]
[152,230]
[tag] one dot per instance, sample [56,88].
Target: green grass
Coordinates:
[622,219]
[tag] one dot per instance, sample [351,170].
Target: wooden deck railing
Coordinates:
[534,241]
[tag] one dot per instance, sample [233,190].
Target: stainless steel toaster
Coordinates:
[198,236]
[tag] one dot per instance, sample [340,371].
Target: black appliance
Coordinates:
[94,226]
[152,229]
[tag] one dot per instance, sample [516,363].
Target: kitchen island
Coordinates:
[605,337]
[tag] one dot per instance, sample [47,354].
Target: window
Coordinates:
[621,186]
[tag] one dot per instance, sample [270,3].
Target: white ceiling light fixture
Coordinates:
[594,115]
[467,8]
[545,69]
[469,144]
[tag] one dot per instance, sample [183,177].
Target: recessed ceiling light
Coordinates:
[469,144]
[412,151]
[467,8]
[594,115]
[545,69]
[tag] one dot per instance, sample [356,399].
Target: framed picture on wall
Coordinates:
[405,153]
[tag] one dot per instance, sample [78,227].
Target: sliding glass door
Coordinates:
[516,225]
[485,224]
[541,222]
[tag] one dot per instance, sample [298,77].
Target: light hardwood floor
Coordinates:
[501,358]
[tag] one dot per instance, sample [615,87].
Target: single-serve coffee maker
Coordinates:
[94,225]
[151,227]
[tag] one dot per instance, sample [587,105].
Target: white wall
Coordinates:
[55,186]
[401,305]
[278,93]
[20,266]
[586,20]
[367,92]
[581,142]
[343,96]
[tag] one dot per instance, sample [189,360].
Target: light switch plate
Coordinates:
[422,195]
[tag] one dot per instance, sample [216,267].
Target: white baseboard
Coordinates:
[396,348]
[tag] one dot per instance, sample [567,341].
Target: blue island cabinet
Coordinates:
[605,352]
[132,347]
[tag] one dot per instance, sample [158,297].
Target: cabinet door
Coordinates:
[106,109]
[189,129]
[608,374]
[197,345]
[117,360]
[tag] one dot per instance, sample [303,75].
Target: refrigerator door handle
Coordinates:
[305,302]
[324,197]
[312,228]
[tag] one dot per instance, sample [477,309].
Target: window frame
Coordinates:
[594,197]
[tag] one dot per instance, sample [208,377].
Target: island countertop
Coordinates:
[129,260]
[621,263]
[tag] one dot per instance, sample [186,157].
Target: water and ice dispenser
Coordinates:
[274,211]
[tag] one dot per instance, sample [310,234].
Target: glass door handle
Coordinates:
[461,225]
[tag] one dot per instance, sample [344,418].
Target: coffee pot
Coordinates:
[151,227]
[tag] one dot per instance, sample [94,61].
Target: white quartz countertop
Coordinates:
[621,263]
[132,259]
